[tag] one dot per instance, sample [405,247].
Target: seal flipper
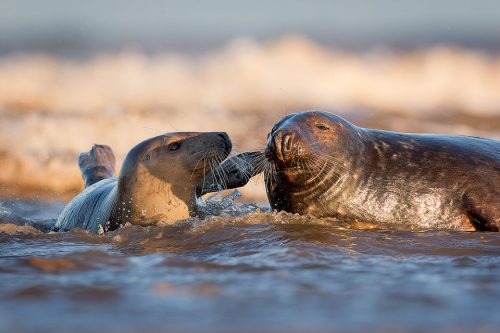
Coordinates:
[97,164]
[233,172]
[482,217]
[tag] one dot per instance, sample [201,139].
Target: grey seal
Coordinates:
[320,164]
[158,181]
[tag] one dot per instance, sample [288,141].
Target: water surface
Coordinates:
[270,272]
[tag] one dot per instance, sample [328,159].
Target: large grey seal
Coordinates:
[318,163]
[158,181]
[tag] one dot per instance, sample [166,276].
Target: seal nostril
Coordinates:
[287,142]
[280,146]
[224,136]
[227,141]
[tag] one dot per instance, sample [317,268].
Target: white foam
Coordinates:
[53,109]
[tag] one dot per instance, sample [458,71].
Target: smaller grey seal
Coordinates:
[158,181]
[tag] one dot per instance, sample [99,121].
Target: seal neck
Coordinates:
[144,199]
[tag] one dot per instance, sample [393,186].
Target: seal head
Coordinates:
[160,175]
[308,152]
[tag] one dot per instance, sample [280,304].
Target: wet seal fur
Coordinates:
[320,164]
[159,181]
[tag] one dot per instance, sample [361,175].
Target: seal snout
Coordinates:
[214,146]
[226,142]
[282,147]
[216,141]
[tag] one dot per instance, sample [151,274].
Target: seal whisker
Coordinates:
[202,158]
[214,175]
[220,171]
[259,167]
[223,171]
[331,186]
[335,162]
[243,166]
[263,166]
[204,175]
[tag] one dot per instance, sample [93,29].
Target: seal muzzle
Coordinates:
[281,147]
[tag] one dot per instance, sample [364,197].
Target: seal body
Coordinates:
[158,181]
[320,164]
[326,166]
[95,206]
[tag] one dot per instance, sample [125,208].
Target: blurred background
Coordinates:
[112,72]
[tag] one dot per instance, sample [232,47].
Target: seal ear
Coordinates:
[236,172]
[97,164]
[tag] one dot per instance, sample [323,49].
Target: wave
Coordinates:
[51,109]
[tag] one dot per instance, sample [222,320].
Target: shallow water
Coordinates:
[257,272]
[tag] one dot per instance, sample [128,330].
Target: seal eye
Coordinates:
[322,127]
[174,145]
[148,157]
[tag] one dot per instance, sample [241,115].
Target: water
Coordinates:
[269,272]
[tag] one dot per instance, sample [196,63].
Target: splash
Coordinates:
[219,204]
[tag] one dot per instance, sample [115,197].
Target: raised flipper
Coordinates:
[233,172]
[97,164]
